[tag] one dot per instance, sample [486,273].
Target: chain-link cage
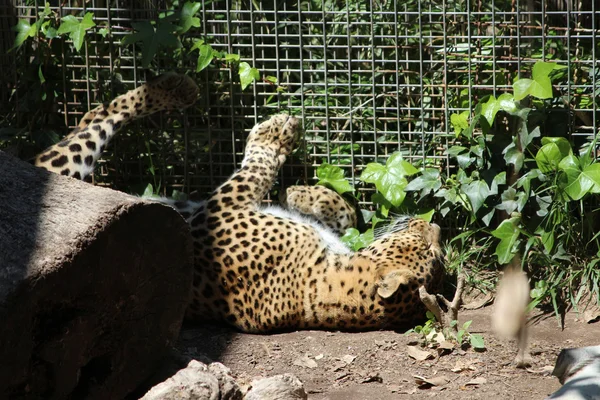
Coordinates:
[368,78]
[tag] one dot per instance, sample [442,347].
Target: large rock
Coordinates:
[93,286]
[578,370]
[197,381]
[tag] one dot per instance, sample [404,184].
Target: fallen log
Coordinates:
[93,285]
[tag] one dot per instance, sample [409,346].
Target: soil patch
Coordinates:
[376,365]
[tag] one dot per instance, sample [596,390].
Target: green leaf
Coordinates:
[24,30]
[104,32]
[580,182]
[152,38]
[460,122]
[549,156]
[76,29]
[205,56]
[540,85]
[542,69]
[512,200]
[389,179]
[513,156]
[506,101]
[373,173]
[149,191]
[187,19]
[455,150]
[508,233]
[426,215]
[232,58]
[330,175]
[476,341]
[356,240]
[547,240]
[248,74]
[489,109]
[41,74]
[428,181]
[477,192]
[384,205]
[396,165]
[499,179]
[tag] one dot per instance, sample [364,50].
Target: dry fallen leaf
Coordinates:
[477,381]
[591,315]
[423,382]
[461,365]
[445,347]
[348,358]
[305,362]
[435,336]
[479,302]
[417,354]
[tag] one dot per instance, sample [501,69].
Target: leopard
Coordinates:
[264,269]
[77,153]
[323,204]
[267,268]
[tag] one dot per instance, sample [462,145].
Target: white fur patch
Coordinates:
[330,239]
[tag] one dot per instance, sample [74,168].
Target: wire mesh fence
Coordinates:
[368,78]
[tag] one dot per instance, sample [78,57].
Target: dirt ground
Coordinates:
[375,365]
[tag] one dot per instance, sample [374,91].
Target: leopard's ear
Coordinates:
[390,282]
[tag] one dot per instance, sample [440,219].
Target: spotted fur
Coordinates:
[77,153]
[324,204]
[261,271]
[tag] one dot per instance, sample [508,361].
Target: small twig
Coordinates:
[432,303]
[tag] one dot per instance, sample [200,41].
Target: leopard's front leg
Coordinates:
[267,147]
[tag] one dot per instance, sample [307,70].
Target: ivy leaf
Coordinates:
[526,136]
[75,28]
[512,200]
[506,101]
[544,203]
[356,240]
[24,30]
[489,109]
[499,179]
[205,54]
[542,69]
[508,233]
[540,85]
[580,182]
[428,181]
[426,215]
[554,149]
[152,38]
[460,122]
[248,74]
[547,238]
[330,175]
[232,58]
[187,19]
[513,156]
[525,180]
[384,205]
[477,192]
[389,179]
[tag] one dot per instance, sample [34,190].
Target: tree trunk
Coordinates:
[93,285]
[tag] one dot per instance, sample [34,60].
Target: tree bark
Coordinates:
[93,285]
